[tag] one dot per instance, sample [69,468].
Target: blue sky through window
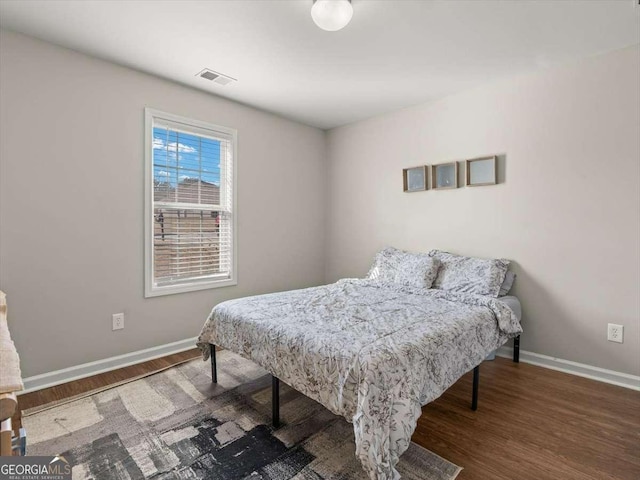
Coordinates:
[178,156]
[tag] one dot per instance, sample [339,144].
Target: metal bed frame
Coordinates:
[275,382]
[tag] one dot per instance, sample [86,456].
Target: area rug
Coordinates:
[177,425]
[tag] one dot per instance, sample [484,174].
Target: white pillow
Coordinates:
[411,269]
[480,276]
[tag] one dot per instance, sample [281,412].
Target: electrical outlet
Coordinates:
[117,321]
[615,333]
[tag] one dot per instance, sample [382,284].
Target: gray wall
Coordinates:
[71,204]
[567,214]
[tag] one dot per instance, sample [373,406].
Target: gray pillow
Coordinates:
[480,276]
[411,269]
[507,285]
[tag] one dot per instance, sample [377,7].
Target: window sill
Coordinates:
[188,287]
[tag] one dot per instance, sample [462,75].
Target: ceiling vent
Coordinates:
[216,77]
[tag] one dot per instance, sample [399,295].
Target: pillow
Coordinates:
[411,269]
[480,276]
[507,285]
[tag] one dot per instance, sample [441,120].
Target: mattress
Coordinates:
[514,304]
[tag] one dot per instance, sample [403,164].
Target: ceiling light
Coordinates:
[331,15]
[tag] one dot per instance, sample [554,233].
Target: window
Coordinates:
[189,205]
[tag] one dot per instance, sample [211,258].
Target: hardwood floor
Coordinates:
[531,423]
[534,423]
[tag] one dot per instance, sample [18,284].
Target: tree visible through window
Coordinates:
[191,236]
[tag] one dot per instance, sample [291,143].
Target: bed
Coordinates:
[369,350]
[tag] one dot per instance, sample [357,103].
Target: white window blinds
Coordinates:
[191,216]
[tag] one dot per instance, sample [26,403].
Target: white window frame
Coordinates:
[150,288]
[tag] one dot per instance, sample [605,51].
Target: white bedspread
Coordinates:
[373,353]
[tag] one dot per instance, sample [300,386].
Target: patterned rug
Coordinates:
[177,425]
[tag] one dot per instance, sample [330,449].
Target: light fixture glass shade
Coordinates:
[331,15]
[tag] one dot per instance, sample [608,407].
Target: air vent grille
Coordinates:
[209,75]
[216,77]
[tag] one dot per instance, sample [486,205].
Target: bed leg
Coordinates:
[275,402]
[516,349]
[476,380]
[214,368]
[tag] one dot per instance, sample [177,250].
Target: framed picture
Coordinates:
[444,176]
[482,171]
[414,179]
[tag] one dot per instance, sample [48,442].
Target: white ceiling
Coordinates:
[393,54]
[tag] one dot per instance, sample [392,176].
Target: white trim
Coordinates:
[205,129]
[194,286]
[580,369]
[57,377]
